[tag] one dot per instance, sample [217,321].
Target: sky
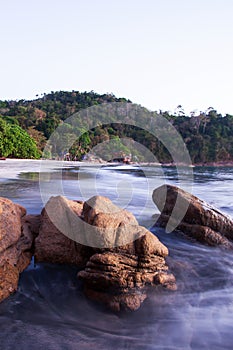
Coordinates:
[157,53]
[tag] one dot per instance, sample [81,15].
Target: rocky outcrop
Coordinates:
[119,260]
[16,240]
[199,219]
[132,260]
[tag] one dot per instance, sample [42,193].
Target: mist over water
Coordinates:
[49,311]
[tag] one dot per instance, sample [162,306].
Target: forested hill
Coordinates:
[46,113]
[41,116]
[208,136]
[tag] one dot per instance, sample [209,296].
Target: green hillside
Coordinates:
[25,126]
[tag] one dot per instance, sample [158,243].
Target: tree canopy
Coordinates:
[15,142]
[25,126]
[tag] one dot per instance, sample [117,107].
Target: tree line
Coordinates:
[25,127]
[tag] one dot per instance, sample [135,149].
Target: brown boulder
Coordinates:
[108,226]
[122,281]
[198,219]
[10,223]
[131,260]
[100,211]
[149,244]
[53,243]
[15,245]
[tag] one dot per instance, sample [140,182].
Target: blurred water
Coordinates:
[49,310]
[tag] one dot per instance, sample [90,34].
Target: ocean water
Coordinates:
[49,311]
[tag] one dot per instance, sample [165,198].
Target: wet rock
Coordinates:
[15,245]
[122,281]
[56,241]
[199,219]
[133,259]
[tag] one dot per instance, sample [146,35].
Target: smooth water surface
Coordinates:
[49,311]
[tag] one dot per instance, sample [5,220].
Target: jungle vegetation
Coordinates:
[26,126]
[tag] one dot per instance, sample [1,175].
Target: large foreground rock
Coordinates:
[16,240]
[119,258]
[199,219]
[133,259]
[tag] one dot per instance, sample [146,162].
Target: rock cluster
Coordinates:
[118,259]
[199,220]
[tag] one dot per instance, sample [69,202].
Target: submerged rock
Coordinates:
[199,220]
[16,241]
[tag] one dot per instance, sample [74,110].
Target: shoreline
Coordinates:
[215,164]
[97,162]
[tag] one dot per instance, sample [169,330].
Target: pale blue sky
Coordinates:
[158,53]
